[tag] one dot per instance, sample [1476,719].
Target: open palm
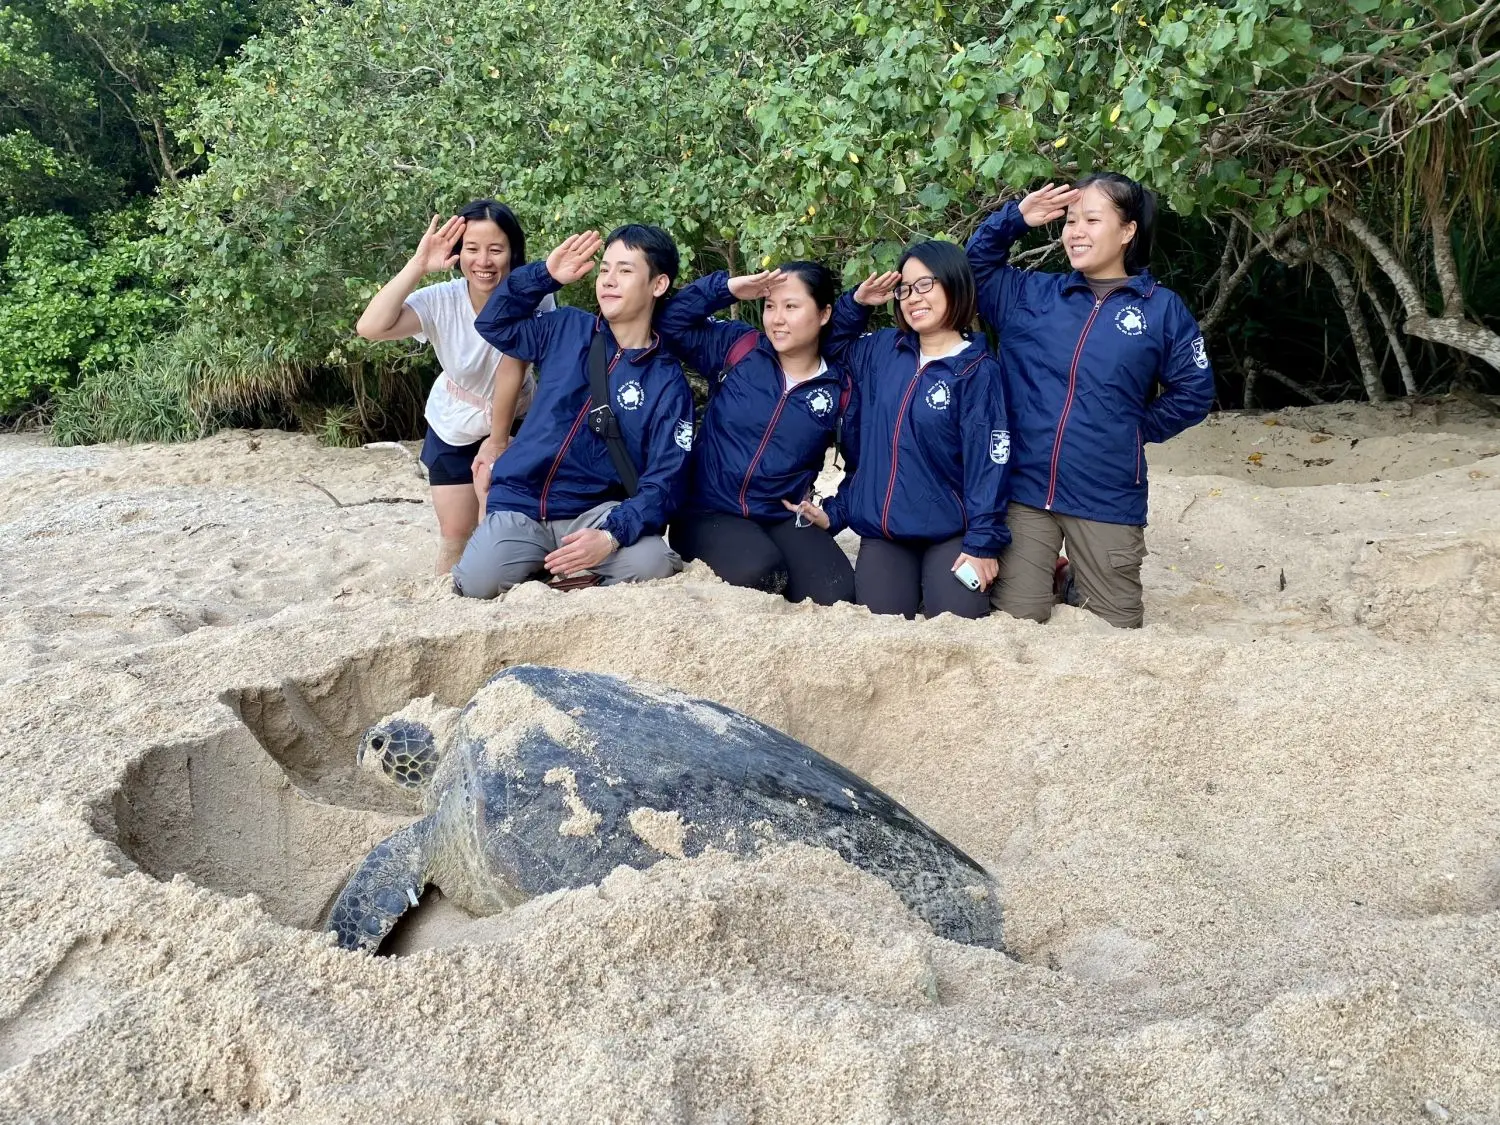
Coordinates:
[574,257]
[435,251]
[1048,204]
[877,289]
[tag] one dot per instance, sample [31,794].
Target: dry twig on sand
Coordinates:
[337,503]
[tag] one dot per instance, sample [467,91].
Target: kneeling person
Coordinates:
[557,500]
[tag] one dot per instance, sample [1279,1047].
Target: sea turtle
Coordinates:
[548,779]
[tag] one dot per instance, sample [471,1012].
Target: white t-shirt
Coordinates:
[458,407]
[788,382]
[954,350]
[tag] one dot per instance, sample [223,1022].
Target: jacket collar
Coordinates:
[978,347]
[642,354]
[1141,284]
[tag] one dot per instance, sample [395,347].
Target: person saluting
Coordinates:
[929,492]
[480,393]
[1083,353]
[775,406]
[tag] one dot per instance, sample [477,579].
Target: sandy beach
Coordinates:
[1250,854]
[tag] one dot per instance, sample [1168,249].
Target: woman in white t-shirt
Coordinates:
[480,393]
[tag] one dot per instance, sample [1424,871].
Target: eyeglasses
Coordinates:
[921,285]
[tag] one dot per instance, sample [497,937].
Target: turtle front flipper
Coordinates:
[389,882]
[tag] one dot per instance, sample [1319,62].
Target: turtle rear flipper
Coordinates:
[389,882]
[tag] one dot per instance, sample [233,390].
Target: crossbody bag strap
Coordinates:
[602,419]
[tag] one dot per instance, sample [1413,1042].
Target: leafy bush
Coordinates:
[756,129]
[72,302]
[140,399]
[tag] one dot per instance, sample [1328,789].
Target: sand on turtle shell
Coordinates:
[1250,854]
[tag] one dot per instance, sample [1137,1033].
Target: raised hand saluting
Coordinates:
[877,289]
[574,257]
[1047,204]
[755,286]
[435,252]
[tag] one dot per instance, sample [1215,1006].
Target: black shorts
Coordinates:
[448,464]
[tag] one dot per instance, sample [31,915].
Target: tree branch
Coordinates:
[1359,331]
[1390,265]
[1447,268]
[1382,314]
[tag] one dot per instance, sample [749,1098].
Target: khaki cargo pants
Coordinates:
[1106,559]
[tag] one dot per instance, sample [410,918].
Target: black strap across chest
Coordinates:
[602,419]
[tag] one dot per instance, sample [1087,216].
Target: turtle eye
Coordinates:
[378,742]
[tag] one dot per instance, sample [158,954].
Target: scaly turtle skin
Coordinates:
[549,779]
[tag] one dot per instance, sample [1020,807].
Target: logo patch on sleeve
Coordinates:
[630,396]
[682,434]
[1200,353]
[1000,446]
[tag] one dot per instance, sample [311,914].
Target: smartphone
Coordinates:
[967,576]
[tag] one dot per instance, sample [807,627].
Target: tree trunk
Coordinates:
[1408,380]
[1359,331]
[1453,330]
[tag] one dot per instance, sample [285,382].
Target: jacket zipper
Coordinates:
[567,441]
[764,439]
[890,488]
[1068,402]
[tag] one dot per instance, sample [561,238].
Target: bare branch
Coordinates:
[1382,314]
[1447,268]
[1385,258]
[1359,331]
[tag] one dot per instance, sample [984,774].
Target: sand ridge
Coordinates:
[1250,854]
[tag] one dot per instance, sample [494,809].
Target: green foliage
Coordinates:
[88,90]
[141,399]
[71,304]
[759,129]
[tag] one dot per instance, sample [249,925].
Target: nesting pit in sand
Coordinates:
[1250,854]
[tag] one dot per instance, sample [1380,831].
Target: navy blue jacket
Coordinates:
[759,443]
[556,468]
[1079,375]
[934,444]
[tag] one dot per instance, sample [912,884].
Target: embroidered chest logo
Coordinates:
[1000,446]
[939,396]
[1200,353]
[1130,320]
[682,434]
[820,402]
[630,396]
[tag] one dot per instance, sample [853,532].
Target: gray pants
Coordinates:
[1106,559]
[508,548]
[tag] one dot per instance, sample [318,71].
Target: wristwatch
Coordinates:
[614,544]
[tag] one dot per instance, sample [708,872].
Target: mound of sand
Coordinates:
[1250,854]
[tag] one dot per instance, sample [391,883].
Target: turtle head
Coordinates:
[403,751]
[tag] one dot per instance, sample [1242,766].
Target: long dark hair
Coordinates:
[950,269]
[489,210]
[1135,205]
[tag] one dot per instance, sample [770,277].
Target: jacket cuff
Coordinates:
[625,531]
[534,277]
[985,548]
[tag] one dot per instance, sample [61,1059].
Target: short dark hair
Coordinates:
[1135,205]
[488,210]
[950,268]
[818,278]
[655,243]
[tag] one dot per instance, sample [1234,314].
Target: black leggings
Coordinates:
[772,555]
[902,577]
